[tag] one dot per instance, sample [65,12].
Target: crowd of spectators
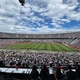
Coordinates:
[56,35]
[24,59]
[45,75]
[28,58]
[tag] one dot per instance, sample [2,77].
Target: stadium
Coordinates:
[38,47]
[52,42]
[39,40]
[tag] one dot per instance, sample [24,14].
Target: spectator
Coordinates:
[51,72]
[34,73]
[44,74]
[51,69]
[19,65]
[59,75]
[71,75]
[78,72]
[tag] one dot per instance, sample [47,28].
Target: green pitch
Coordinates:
[40,46]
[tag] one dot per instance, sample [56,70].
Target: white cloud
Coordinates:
[59,10]
[36,11]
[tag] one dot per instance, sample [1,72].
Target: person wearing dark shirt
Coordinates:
[71,75]
[34,73]
[59,75]
[78,72]
[19,65]
[44,74]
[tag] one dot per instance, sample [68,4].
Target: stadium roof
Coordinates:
[40,16]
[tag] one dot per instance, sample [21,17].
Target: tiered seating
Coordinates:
[67,38]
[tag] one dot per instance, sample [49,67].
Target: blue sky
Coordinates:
[40,16]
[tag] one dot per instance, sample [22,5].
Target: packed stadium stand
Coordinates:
[61,35]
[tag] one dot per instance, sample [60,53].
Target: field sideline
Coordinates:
[40,46]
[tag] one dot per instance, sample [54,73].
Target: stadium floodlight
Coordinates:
[22,2]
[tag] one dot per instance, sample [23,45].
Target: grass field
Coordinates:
[40,46]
